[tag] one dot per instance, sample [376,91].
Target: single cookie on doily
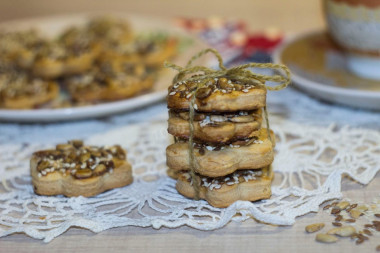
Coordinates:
[215,161]
[217,95]
[73,169]
[216,128]
[248,185]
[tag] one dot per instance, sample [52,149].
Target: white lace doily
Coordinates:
[309,165]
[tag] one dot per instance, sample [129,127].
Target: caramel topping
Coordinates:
[216,85]
[78,160]
[236,177]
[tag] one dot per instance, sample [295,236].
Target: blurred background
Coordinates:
[288,16]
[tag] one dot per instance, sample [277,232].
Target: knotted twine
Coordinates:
[201,75]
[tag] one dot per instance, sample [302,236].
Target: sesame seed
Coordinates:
[245,90]
[172,93]
[188,95]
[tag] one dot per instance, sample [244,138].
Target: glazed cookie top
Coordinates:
[213,119]
[217,95]
[79,160]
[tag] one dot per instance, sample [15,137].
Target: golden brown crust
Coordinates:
[220,132]
[218,101]
[56,183]
[227,194]
[220,163]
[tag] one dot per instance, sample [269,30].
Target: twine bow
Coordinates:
[239,73]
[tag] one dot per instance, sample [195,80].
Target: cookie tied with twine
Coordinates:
[200,77]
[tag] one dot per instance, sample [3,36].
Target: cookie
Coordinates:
[20,91]
[217,95]
[55,59]
[249,185]
[110,81]
[76,170]
[13,46]
[214,128]
[109,31]
[215,161]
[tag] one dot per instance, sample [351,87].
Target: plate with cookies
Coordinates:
[86,65]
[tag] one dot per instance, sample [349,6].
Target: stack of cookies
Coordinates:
[221,153]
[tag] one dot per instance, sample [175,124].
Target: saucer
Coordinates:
[320,69]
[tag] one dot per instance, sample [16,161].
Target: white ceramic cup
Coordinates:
[355,26]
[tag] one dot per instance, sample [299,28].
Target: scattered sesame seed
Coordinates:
[172,93]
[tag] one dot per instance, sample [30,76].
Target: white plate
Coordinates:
[319,68]
[83,112]
[50,26]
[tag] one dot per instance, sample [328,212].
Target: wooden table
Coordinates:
[289,16]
